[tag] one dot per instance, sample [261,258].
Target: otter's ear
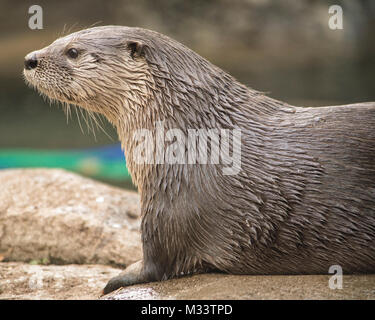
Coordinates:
[136,48]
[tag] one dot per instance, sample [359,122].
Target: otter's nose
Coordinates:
[31,63]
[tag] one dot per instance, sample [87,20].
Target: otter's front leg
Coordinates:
[133,274]
[162,259]
[148,269]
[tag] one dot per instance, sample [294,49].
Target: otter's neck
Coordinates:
[184,91]
[221,103]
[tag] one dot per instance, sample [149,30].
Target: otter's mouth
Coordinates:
[37,80]
[32,80]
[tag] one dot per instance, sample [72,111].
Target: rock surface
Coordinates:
[64,218]
[220,286]
[35,282]
[24,281]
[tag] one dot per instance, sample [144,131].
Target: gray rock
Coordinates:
[65,218]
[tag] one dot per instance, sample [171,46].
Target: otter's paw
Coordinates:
[131,275]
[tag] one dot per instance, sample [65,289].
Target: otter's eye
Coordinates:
[72,53]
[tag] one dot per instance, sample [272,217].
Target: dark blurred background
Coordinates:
[283,47]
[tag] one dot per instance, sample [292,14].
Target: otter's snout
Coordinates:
[31,62]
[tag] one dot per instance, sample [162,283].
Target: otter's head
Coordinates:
[99,69]
[132,74]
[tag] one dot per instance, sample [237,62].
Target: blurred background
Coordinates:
[282,47]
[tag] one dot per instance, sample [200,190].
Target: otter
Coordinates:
[302,201]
